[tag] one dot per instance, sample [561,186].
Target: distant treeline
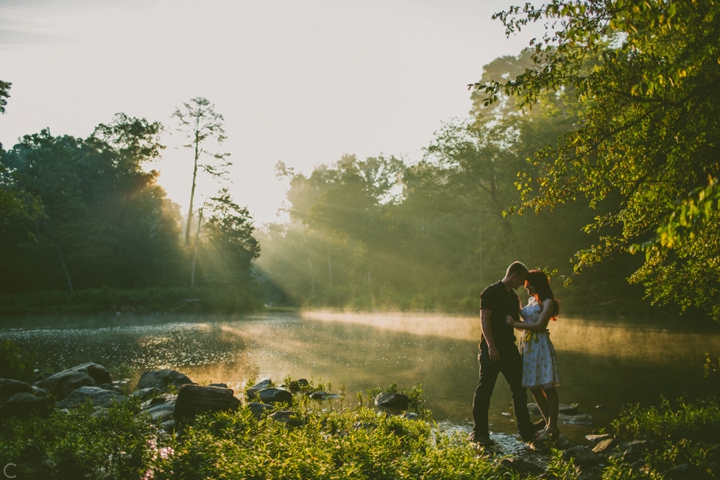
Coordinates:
[83,215]
[382,233]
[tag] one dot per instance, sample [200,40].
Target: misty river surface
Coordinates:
[601,362]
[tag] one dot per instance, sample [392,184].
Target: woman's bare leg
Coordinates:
[541,401]
[553,405]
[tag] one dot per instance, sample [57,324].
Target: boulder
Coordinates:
[63,383]
[162,379]
[161,408]
[257,409]
[275,395]
[582,419]
[9,387]
[411,416]
[583,456]
[97,372]
[195,399]
[146,393]
[25,404]
[253,391]
[98,396]
[392,402]
[221,385]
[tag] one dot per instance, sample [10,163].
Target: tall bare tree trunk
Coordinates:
[192,190]
[197,246]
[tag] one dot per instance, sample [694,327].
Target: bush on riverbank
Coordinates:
[154,299]
[682,440]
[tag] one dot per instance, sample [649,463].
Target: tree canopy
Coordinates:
[647,76]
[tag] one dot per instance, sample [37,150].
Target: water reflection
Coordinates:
[600,362]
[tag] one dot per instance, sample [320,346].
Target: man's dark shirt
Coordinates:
[501,303]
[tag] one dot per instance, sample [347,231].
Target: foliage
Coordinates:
[80,444]
[646,75]
[229,241]
[698,420]
[13,364]
[679,433]
[4,89]
[102,219]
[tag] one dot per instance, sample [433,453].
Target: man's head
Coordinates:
[515,275]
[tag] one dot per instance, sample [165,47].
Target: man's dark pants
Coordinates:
[510,365]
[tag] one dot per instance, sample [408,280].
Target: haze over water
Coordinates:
[607,363]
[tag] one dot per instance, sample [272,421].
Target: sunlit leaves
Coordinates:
[646,73]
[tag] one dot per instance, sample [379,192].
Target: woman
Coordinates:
[540,372]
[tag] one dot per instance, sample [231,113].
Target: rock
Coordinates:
[63,383]
[112,387]
[562,443]
[275,395]
[253,391]
[411,416]
[195,399]
[97,372]
[25,404]
[598,437]
[287,417]
[145,393]
[162,379]
[392,402]
[98,396]
[605,445]
[583,456]
[9,387]
[167,426]
[160,408]
[633,450]
[583,419]
[221,385]
[257,409]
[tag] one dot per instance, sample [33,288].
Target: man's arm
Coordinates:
[488,334]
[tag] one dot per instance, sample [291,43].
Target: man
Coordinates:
[499,354]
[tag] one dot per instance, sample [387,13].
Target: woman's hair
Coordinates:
[541,284]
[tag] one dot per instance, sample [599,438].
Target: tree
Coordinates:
[4,95]
[646,75]
[201,123]
[229,235]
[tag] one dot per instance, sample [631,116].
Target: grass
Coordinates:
[344,439]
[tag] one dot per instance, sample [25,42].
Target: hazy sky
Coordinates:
[297,81]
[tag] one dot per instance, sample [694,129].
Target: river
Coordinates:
[604,363]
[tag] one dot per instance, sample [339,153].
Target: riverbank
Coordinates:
[133,301]
[169,427]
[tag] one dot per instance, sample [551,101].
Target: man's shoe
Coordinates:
[481,440]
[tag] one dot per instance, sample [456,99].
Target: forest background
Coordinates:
[596,147]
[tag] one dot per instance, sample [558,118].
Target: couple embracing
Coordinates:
[530,364]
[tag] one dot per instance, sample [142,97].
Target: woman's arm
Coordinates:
[541,325]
